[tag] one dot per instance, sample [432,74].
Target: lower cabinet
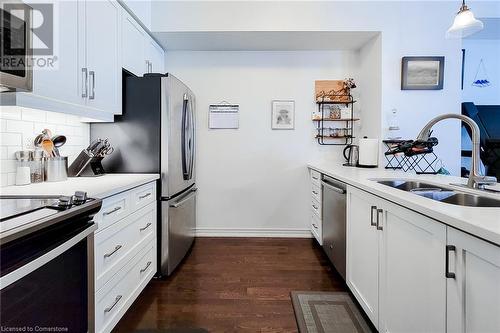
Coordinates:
[473,284]
[124,252]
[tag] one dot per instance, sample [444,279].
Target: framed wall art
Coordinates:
[283,115]
[422,73]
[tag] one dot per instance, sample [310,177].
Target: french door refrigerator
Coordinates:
[156,134]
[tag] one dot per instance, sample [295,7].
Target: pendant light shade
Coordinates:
[464,24]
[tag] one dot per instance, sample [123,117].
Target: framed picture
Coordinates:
[283,115]
[422,73]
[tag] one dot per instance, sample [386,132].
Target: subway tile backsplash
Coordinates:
[19,126]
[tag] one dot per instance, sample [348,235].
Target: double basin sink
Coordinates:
[441,194]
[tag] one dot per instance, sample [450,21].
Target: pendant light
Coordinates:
[464,24]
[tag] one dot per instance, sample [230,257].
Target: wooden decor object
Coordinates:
[331,91]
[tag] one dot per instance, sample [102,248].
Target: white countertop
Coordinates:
[483,222]
[96,187]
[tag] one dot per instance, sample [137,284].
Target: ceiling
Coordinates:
[263,40]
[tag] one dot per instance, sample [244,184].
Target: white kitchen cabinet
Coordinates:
[412,286]
[156,57]
[141,9]
[103,55]
[395,264]
[62,82]
[316,224]
[362,251]
[133,37]
[473,284]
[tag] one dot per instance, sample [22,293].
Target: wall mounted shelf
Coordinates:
[346,134]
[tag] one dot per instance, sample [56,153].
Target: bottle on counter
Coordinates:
[37,166]
[23,171]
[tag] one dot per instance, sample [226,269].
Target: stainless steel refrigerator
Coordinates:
[156,134]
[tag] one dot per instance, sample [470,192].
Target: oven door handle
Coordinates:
[21,272]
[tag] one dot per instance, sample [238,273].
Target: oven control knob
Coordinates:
[65,202]
[80,197]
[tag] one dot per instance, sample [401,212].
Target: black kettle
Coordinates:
[351,155]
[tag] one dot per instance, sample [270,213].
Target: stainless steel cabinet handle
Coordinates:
[333,188]
[117,299]
[150,67]
[315,226]
[315,192]
[448,274]
[112,211]
[84,83]
[314,206]
[145,227]
[372,221]
[315,178]
[107,255]
[145,268]
[147,66]
[379,226]
[145,196]
[92,86]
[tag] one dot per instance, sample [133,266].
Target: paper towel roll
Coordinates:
[368,152]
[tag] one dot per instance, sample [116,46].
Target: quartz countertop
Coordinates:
[96,187]
[483,222]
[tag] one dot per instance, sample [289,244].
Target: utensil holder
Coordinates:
[56,169]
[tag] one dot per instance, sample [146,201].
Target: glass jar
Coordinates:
[37,167]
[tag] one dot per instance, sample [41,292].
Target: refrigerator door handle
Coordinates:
[191,140]
[185,199]
[185,171]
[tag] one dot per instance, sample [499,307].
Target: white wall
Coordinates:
[489,51]
[253,180]
[407,27]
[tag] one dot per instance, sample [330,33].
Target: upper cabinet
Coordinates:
[141,9]
[93,41]
[102,69]
[149,58]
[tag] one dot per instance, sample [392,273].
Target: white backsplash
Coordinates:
[19,126]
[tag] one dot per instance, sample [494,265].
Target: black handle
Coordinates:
[185,172]
[344,152]
[448,274]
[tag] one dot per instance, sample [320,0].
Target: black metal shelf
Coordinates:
[349,128]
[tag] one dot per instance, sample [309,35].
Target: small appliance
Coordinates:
[351,155]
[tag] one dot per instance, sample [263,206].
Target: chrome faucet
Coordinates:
[476,179]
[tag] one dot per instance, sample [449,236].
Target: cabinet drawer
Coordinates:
[316,192]
[316,228]
[119,293]
[315,177]
[316,207]
[113,209]
[121,241]
[143,195]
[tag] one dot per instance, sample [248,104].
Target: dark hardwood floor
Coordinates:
[234,285]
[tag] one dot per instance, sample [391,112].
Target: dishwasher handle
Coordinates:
[333,188]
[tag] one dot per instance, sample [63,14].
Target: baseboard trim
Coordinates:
[253,232]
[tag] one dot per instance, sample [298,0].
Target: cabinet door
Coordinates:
[63,81]
[103,50]
[473,303]
[156,57]
[412,272]
[133,37]
[363,251]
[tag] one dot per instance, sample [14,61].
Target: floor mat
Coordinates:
[327,312]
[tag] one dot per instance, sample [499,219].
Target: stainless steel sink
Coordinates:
[442,194]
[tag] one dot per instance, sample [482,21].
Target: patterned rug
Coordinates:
[327,312]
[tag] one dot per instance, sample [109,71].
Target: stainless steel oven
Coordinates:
[47,265]
[16,52]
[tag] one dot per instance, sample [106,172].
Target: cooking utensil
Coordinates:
[38,140]
[48,146]
[59,141]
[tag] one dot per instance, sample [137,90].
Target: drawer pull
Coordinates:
[315,178]
[315,226]
[315,207]
[117,299]
[315,192]
[145,227]
[144,196]
[145,268]
[107,255]
[114,210]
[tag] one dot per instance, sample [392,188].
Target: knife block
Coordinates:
[86,166]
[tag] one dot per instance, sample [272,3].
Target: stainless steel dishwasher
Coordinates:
[334,222]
